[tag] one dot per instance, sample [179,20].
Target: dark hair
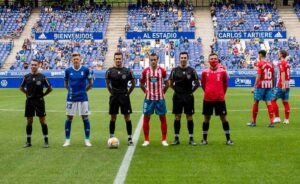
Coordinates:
[75,54]
[154,54]
[34,60]
[213,54]
[118,54]
[283,53]
[184,53]
[263,53]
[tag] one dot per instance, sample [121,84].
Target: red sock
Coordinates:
[275,108]
[286,109]
[164,127]
[254,111]
[271,113]
[146,128]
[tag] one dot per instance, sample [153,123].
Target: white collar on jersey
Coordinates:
[78,68]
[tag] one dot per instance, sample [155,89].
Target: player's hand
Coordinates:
[252,90]
[283,89]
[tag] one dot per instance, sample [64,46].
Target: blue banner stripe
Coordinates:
[251,34]
[160,35]
[69,36]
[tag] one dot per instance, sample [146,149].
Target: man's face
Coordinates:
[153,61]
[76,61]
[34,66]
[183,60]
[118,60]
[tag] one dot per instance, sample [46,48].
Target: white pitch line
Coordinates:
[122,173]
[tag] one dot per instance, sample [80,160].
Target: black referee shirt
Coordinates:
[34,84]
[119,78]
[183,79]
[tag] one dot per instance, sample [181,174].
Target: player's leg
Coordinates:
[161,110]
[177,126]
[285,101]
[68,126]
[112,125]
[277,94]
[207,111]
[126,110]
[29,114]
[84,111]
[189,111]
[267,99]
[44,130]
[221,110]
[114,106]
[128,128]
[257,96]
[177,111]
[148,110]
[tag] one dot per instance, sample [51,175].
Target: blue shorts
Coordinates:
[278,93]
[158,105]
[264,94]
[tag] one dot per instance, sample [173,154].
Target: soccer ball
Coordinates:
[113,142]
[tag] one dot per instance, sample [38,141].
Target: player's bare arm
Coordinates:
[143,88]
[166,86]
[90,84]
[66,83]
[256,81]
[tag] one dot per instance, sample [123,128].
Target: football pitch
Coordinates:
[260,154]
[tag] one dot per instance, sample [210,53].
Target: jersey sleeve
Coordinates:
[66,74]
[259,70]
[163,73]
[225,81]
[171,77]
[46,82]
[23,83]
[282,67]
[88,74]
[203,80]
[107,74]
[195,75]
[143,76]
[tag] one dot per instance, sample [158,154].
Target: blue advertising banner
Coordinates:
[242,78]
[69,36]
[160,35]
[251,34]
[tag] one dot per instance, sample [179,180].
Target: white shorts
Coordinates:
[82,108]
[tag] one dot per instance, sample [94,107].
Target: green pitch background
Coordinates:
[260,154]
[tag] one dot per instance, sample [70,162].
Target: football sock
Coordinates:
[28,132]
[275,108]
[129,127]
[190,125]
[176,127]
[45,132]
[146,128]
[112,127]
[205,127]
[164,127]
[286,109]
[254,111]
[270,112]
[226,130]
[86,123]
[68,128]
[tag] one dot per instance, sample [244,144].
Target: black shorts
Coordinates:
[183,101]
[219,106]
[117,101]
[35,107]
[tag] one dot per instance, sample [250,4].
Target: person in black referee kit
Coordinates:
[117,78]
[33,85]
[184,81]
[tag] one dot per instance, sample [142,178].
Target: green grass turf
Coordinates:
[260,154]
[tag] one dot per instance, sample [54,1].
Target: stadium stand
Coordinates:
[56,55]
[73,19]
[297,10]
[236,54]
[13,20]
[246,17]
[160,18]
[5,48]
[136,52]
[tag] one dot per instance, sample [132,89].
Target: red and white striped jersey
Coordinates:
[266,71]
[283,67]
[154,80]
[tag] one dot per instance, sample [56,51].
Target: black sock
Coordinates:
[29,132]
[205,127]
[177,127]
[45,132]
[190,125]
[226,130]
[112,126]
[129,127]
